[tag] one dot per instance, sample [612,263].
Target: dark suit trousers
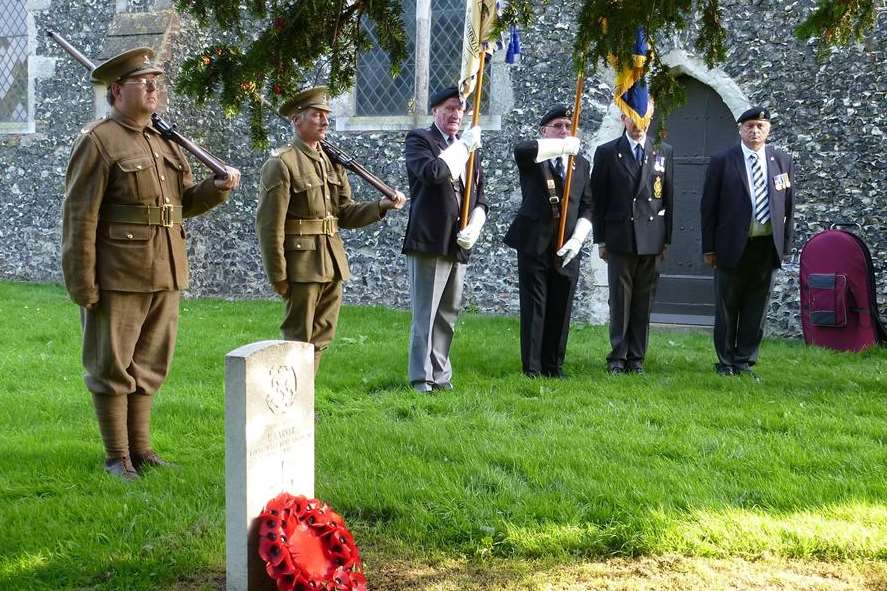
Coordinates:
[632,280]
[546,302]
[741,296]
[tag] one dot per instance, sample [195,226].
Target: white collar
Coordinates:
[746,152]
[633,144]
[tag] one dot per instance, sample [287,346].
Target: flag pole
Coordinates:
[475,120]
[568,181]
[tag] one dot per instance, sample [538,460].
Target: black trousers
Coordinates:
[741,297]
[546,302]
[632,280]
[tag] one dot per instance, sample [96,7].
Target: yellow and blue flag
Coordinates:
[631,94]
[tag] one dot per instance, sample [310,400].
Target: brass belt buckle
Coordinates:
[166,216]
[327,225]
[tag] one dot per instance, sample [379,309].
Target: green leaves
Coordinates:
[282,47]
[838,22]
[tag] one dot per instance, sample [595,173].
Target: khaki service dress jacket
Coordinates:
[119,177]
[300,183]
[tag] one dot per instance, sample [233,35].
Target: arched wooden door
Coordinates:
[700,128]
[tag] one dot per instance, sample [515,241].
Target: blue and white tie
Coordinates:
[759,189]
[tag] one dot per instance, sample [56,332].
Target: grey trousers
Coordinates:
[435,298]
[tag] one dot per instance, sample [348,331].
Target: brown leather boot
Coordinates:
[122,468]
[150,459]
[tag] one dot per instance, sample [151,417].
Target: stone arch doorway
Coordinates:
[703,126]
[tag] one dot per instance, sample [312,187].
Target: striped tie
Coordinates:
[762,205]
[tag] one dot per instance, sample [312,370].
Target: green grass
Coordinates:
[676,461]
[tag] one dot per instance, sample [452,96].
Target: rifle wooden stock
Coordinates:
[165,129]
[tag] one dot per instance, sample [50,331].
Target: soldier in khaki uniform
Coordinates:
[303,200]
[123,256]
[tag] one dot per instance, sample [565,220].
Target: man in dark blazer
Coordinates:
[746,231]
[632,187]
[546,282]
[437,250]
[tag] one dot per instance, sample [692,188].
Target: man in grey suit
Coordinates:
[437,249]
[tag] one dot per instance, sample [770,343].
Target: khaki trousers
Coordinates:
[312,311]
[128,345]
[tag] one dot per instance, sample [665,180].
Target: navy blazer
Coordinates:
[727,210]
[434,206]
[534,229]
[633,203]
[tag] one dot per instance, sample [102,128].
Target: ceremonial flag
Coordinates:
[480,19]
[631,93]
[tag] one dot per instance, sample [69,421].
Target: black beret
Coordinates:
[755,113]
[556,112]
[442,95]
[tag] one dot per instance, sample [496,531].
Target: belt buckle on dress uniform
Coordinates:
[328,225]
[166,215]
[553,199]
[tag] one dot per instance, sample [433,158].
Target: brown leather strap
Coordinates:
[327,226]
[147,215]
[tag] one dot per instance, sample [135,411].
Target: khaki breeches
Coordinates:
[128,341]
[312,310]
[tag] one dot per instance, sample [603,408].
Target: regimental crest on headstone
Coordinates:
[281,393]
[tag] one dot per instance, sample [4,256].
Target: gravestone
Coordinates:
[269,445]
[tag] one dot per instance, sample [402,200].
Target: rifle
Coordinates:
[166,130]
[336,154]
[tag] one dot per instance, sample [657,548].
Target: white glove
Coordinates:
[471,138]
[553,147]
[455,158]
[467,237]
[572,246]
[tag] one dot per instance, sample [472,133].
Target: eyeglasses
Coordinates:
[559,125]
[147,85]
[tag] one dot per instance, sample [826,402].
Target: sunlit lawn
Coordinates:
[677,461]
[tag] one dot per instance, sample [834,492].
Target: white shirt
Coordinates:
[634,144]
[762,162]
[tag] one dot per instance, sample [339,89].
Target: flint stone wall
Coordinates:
[831,115]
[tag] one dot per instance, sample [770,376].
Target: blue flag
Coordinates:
[631,94]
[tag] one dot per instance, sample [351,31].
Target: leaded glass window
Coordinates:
[13,66]
[377,93]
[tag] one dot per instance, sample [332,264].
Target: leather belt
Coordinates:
[327,226]
[146,215]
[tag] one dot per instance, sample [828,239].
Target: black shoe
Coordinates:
[446,386]
[724,370]
[150,459]
[614,370]
[122,468]
[635,369]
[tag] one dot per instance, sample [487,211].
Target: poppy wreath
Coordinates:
[306,546]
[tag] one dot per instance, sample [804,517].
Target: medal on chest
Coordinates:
[657,188]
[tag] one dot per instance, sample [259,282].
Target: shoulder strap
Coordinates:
[553,200]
